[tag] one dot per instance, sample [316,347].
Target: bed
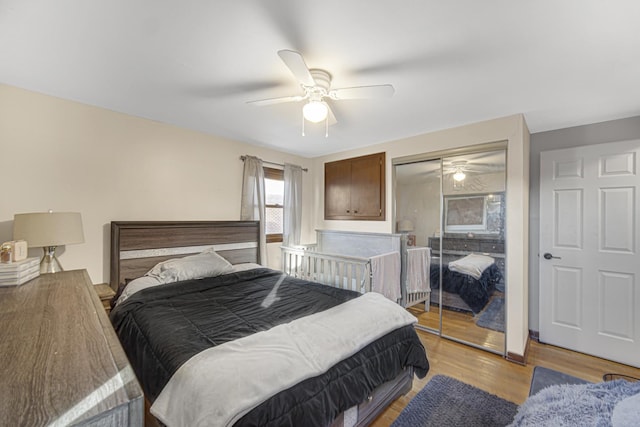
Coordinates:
[180,334]
[363,262]
[463,291]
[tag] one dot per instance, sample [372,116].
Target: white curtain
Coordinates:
[292,205]
[252,207]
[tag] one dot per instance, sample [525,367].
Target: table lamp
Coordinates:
[405,226]
[48,230]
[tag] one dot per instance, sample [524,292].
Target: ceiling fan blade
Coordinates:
[331,116]
[296,64]
[362,92]
[271,101]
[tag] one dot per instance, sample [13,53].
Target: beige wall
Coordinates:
[428,208]
[62,155]
[65,156]
[512,129]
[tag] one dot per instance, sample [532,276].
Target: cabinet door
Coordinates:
[367,186]
[337,190]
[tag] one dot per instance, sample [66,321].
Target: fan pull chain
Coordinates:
[303,124]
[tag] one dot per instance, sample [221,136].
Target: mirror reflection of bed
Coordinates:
[456,206]
[472,301]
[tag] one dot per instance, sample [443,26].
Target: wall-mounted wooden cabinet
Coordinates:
[355,188]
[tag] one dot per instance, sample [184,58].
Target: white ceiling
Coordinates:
[486,162]
[195,63]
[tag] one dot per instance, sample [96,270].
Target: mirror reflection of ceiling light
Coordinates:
[315,111]
[459,175]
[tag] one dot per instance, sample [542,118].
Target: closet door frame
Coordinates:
[439,156]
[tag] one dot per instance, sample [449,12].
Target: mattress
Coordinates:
[474,292]
[163,327]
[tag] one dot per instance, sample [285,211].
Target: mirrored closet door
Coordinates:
[455,205]
[418,213]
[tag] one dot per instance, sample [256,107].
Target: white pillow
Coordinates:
[472,264]
[245,266]
[626,412]
[204,264]
[137,285]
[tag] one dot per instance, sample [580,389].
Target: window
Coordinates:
[481,214]
[464,214]
[274,204]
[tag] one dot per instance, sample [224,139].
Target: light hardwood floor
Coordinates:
[496,375]
[460,325]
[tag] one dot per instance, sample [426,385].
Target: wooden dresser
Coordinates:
[460,246]
[60,359]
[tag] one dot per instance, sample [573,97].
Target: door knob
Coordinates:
[549,256]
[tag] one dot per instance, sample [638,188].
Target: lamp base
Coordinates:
[49,262]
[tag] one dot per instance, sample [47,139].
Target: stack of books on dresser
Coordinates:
[18,272]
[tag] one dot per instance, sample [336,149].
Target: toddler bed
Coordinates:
[214,343]
[467,282]
[363,262]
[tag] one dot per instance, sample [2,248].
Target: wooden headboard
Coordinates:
[136,246]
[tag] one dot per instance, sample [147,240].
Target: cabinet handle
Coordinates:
[348,211]
[355,211]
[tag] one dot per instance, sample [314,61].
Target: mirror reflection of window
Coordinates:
[465,214]
[482,214]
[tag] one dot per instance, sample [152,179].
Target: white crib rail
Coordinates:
[414,298]
[339,271]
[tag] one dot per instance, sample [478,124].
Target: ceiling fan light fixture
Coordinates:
[316,84]
[459,175]
[315,111]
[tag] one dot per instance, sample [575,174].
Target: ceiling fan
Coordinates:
[460,168]
[316,88]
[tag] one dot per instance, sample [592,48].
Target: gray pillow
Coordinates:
[204,264]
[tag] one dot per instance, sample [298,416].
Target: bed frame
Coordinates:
[136,246]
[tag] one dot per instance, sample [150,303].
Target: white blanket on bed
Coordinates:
[219,385]
[473,265]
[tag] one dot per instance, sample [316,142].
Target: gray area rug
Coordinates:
[545,377]
[492,317]
[445,401]
[450,301]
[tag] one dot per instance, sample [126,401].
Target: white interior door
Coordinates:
[589,290]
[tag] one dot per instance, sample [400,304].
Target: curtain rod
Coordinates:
[272,163]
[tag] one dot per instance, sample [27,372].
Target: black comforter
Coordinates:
[475,292]
[162,327]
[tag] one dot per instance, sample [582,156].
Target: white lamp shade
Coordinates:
[315,111]
[43,229]
[405,225]
[459,176]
